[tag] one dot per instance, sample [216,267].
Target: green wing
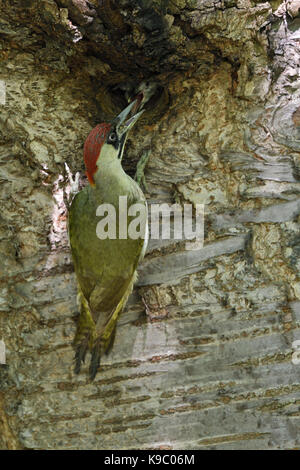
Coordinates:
[104,268]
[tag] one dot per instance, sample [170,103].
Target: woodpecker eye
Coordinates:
[112,137]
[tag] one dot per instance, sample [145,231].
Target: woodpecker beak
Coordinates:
[123,125]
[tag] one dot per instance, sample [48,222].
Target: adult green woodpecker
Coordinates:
[105,267]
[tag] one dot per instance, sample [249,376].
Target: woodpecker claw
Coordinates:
[140,167]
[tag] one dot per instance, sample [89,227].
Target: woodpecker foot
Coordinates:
[74,186]
[139,174]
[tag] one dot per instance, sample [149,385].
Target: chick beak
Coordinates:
[138,102]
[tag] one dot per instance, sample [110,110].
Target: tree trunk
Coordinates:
[214,363]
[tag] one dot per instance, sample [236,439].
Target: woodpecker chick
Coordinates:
[143,93]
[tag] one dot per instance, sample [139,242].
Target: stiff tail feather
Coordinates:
[88,338]
[85,332]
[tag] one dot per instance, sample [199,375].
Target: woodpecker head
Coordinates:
[107,140]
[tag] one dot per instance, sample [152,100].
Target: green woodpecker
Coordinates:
[105,268]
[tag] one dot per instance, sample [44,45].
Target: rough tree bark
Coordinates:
[217,371]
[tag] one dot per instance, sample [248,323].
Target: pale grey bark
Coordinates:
[217,371]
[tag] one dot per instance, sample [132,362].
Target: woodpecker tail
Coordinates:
[105,339]
[85,333]
[87,338]
[98,340]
